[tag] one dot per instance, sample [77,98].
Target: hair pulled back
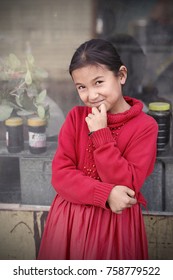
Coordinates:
[95,52]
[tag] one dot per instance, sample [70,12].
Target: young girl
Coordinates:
[106,150]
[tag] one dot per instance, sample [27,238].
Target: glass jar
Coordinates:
[37,135]
[161,112]
[14,135]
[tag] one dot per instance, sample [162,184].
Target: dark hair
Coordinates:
[95,52]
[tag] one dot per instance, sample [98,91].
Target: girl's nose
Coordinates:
[92,94]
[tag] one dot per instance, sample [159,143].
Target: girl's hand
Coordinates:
[97,119]
[120,198]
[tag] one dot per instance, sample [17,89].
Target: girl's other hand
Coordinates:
[120,198]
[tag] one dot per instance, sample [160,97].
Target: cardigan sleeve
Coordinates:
[132,166]
[69,181]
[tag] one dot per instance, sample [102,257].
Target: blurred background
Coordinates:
[52,29]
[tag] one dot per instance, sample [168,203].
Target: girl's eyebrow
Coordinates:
[93,80]
[78,84]
[98,77]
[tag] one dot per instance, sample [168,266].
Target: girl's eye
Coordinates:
[99,82]
[80,87]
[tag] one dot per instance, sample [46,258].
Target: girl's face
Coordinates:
[97,85]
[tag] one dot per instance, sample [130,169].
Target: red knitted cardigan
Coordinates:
[85,168]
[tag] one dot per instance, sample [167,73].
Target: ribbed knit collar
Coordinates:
[121,118]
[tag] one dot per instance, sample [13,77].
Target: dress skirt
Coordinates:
[85,232]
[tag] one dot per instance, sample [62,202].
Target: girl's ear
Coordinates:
[123,74]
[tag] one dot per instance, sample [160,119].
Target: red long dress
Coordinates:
[85,168]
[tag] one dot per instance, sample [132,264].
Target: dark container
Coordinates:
[37,135]
[14,135]
[161,112]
